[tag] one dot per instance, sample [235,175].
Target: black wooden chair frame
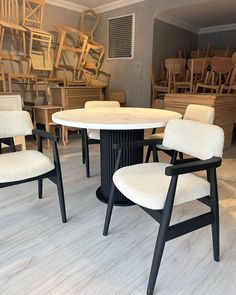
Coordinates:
[167,232]
[86,141]
[54,175]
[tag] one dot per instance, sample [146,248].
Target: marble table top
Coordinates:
[124,118]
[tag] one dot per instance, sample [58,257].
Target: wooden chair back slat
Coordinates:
[9,11]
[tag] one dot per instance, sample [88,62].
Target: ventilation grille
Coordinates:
[120,37]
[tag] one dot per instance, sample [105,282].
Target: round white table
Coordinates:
[116,125]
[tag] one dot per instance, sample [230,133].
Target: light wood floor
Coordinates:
[40,255]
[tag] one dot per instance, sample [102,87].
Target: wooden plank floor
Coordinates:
[40,255]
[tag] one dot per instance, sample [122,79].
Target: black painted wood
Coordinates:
[130,156]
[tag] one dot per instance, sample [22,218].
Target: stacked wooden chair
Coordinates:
[221,68]
[9,21]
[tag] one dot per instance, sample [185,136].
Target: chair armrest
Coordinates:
[45,135]
[194,166]
[137,143]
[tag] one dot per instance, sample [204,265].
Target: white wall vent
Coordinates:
[121,37]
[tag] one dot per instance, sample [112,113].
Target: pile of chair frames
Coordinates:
[36,56]
[202,73]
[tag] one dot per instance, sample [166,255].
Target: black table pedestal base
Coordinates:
[121,203]
[108,160]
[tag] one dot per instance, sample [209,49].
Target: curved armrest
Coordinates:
[194,166]
[45,135]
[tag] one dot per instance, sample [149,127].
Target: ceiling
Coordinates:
[207,13]
[92,3]
[211,13]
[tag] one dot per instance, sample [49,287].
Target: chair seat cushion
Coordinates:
[94,133]
[23,165]
[147,185]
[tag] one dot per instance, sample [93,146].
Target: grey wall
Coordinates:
[133,75]
[57,15]
[219,39]
[168,40]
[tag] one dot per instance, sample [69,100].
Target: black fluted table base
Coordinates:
[108,160]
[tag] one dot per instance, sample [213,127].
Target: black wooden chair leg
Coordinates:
[155,154]
[83,149]
[61,197]
[149,150]
[40,188]
[86,153]
[12,145]
[109,210]
[215,211]
[162,236]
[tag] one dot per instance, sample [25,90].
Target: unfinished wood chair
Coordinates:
[2,77]
[161,86]
[194,112]
[221,52]
[198,53]
[230,86]
[196,72]
[29,165]
[39,39]
[17,71]
[92,136]
[158,187]
[92,60]
[70,51]
[9,20]
[221,68]
[176,69]
[89,22]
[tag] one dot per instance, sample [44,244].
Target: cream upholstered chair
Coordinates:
[195,112]
[92,136]
[29,165]
[167,185]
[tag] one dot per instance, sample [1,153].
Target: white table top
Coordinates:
[123,118]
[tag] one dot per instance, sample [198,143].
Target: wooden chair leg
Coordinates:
[215,211]
[109,210]
[86,153]
[40,188]
[162,236]
[155,154]
[61,198]
[12,145]
[149,150]
[83,149]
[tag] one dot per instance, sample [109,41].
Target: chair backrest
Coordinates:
[200,113]
[220,64]
[175,65]
[15,123]
[9,11]
[198,65]
[102,104]
[199,140]
[11,102]
[234,58]
[15,63]
[33,13]
[89,22]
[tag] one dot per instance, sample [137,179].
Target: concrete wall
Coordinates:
[218,39]
[168,40]
[131,75]
[134,76]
